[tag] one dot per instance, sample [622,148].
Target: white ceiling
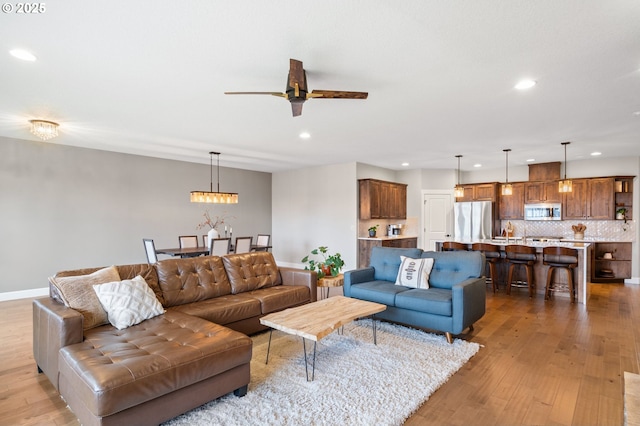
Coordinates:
[147,77]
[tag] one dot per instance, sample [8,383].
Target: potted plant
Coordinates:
[329,264]
[621,213]
[372,230]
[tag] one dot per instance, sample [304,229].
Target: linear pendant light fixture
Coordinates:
[507,189]
[214,197]
[458,191]
[565,185]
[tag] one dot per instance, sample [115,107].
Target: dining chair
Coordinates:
[220,246]
[150,249]
[188,241]
[243,244]
[262,240]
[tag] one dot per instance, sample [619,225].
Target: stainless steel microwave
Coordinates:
[547,211]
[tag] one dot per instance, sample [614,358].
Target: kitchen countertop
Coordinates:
[503,242]
[395,237]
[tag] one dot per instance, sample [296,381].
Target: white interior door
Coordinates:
[437,217]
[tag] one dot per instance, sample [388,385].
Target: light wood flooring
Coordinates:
[542,363]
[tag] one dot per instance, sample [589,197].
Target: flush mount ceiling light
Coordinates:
[305,135]
[565,185]
[525,84]
[507,189]
[22,54]
[596,153]
[44,129]
[458,191]
[214,197]
[405,164]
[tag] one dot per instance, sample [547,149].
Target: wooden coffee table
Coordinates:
[316,320]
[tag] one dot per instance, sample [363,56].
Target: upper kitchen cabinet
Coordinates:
[480,192]
[382,200]
[542,192]
[598,198]
[512,206]
[574,205]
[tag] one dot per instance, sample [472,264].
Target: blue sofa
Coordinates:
[454,300]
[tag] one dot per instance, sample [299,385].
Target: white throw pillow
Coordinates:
[128,302]
[414,272]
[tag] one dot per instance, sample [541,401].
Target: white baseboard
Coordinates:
[632,280]
[24,294]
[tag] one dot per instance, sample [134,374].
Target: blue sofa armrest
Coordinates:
[469,303]
[357,276]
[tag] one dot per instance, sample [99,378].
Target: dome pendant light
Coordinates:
[214,197]
[507,189]
[458,191]
[565,185]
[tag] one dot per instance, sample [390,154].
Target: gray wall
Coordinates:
[64,207]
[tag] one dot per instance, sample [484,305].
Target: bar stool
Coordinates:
[521,256]
[492,254]
[559,257]
[453,246]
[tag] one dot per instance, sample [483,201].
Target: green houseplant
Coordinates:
[372,230]
[329,264]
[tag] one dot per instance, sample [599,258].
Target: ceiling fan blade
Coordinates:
[297,75]
[280,94]
[296,107]
[337,94]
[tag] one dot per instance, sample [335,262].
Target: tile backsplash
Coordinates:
[605,230]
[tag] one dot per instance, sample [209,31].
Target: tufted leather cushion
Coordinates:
[192,279]
[113,370]
[251,271]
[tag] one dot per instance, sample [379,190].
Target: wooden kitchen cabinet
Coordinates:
[542,192]
[613,270]
[574,204]
[600,201]
[593,199]
[480,192]
[512,206]
[382,200]
[365,246]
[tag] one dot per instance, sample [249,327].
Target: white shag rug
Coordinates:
[356,382]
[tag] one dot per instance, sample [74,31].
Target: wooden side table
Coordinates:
[329,281]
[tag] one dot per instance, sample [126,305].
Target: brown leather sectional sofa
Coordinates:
[198,350]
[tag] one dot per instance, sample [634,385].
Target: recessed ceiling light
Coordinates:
[477,165]
[305,135]
[525,84]
[530,160]
[22,54]
[596,153]
[405,164]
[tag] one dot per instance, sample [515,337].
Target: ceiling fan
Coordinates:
[297,92]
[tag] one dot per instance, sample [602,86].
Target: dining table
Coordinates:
[200,251]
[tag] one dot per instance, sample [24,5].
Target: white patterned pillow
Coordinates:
[128,302]
[414,272]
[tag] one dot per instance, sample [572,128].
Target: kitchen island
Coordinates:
[581,274]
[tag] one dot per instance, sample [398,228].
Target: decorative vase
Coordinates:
[326,270]
[212,234]
[620,216]
[372,234]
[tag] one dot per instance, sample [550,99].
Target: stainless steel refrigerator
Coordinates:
[473,220]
